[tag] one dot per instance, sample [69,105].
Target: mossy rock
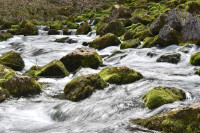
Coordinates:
[179,120]
[120,75]
[53,32]
[21,86]
[105,41]
[81,57]
[57,25]
[128,35]
[193,7]
[13,60]
[150,42]
[54,69]
[61,40]
[15,31]
[143,19]
[198,72]
[82,87]
[83,29]
[4,70]
[134,43]
[4,94]
[159,96]
[170,58]
[72,25]
[195,59]
[5,36]
[30,29]
[66,31]
[125,22]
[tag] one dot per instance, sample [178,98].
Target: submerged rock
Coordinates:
[105,41]
[183,119]
[13,60]
[195,59]
[4,94]
[134,43]
[84,29]
[170,58]
[83,87]
[120,75]
[81,57]
[53,69]
[159,96]
[5,36]
[19,86]
[4,70]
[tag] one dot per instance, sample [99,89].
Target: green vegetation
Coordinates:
[195,59]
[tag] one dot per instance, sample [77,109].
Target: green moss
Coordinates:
[4,71]
[198,72]
[193,7]
[195,59]
[4,94]
[15,31]
[66,31]
[13,60]
[150,42]
[105,41]
[162,95]
[120,75]
[57,25]
[53,32]
[30,29]
[5,36]
[130,44]
[72,25]
[84,29]
[83,87]
[15,27]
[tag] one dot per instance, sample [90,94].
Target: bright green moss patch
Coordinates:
[84,29]
[72,25]
[30,29]
[105,41]
[13,60]
[134,43]
[162,95]
[195,59]
[83,87]
[4,70]
[150,42]
[120,75]
[5,36]
[57,25]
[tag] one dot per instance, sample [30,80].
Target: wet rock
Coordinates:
[170,58]
[118,11]
[4,70]
[158,23]
[56,25]
[159,96]
[120,75]
[85,43]
[54,69]
[195,59]
[82,87]
[66,31]
[4,94]
[21,86]
[13,60]
[183,119]
[134,43]
[5,36]
[105,41]
[81,57]
[186,49]
[53,32]
[151,54]
[83,29]
[65,40]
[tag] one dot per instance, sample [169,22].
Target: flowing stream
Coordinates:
[106,111]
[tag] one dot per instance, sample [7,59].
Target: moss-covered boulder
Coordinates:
[83,87]
[66,31]
[84,29]
[150,42]
[105,41]
[13,60]
[54,69]
[15,31]
[125,22]
[195,59]
[4,94]
[114,27]
[81,57]
[134,43]
[53,32]
[19,86]
[144,19]
[30,29]
[72,25]
[57,25]
[179,120]
[120,75]
[170,58]
[4,70]
[159,96]
[5,36]
[193,7]
[198,72]
[128,35]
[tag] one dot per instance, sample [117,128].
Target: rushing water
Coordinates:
[106,111]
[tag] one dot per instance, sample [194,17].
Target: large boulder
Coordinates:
[84,29]
[134,43]
[13,60]
[83,87]
[81,57]
[118,11]
[5,36]
[4,70]
[4,94]
[30,29]
[179,120]
[159,96]
[170,58]
[105,41]
[19,86]
[120,75]
[53,69]
[195,59]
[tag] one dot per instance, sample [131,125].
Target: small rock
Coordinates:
[170,58]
